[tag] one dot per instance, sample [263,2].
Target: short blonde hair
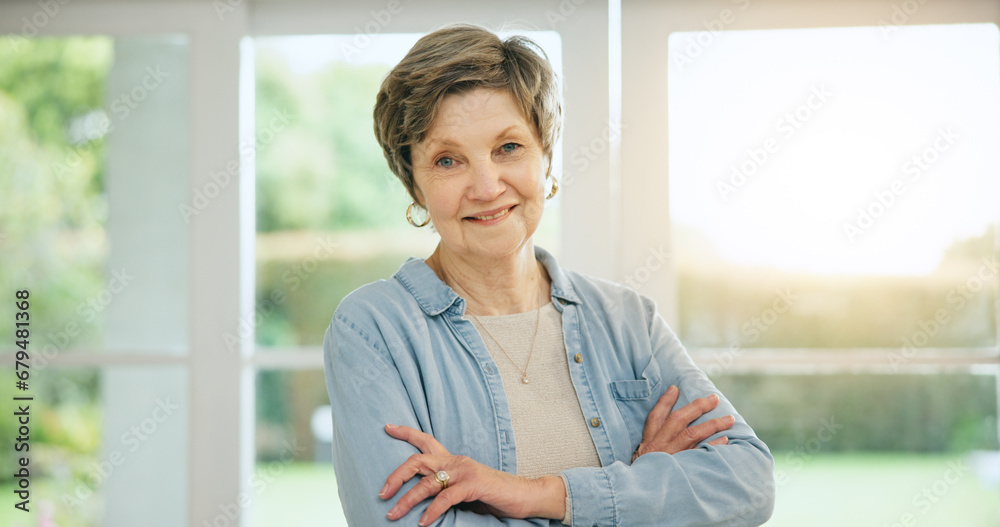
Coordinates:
[456,59]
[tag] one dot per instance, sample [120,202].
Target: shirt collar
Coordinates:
[435,297]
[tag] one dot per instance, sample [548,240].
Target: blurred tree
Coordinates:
[722,304]
[52,238]
[51,221]
[325,171]
[55,80]
[974,247]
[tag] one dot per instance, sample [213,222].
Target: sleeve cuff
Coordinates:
[568,517]
[592,496]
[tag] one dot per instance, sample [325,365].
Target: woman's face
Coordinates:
[480,172]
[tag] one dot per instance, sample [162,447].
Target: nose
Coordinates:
[485,184]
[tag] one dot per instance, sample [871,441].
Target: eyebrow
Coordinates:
[450,143]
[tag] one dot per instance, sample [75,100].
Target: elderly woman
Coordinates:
[487,385]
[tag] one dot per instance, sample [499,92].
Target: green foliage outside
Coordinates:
[866,412]
[325,173]
[720,301]
[716,300]
[53,243]
[51,231]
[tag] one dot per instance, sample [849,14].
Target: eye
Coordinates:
[445,162]
[509,147]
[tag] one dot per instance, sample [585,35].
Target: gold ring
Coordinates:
[442,477]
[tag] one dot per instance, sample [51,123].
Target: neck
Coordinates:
[496,286]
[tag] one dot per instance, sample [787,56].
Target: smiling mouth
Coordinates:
[503,212]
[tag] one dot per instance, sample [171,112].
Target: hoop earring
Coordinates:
[555,187]
[409,218]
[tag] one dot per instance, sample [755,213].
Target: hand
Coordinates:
[503,494]
[668,431]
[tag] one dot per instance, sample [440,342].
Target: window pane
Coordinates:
[837,187]
[330,214]
[293,482]
[94,164]
[107,447]
[867,450]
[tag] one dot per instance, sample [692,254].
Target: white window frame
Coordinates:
[215,246]
[646,26]
[221,239]
[601,236]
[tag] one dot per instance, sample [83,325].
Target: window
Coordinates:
[185,217]
[101,253]
[834,189]
[330,218]
[774,145]
[179,169]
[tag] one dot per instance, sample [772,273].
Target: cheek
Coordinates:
[443,201]
[540,185]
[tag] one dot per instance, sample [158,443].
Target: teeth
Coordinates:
[497,215]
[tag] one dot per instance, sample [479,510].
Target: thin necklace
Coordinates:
[524,372]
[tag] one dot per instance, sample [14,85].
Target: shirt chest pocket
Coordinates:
[633,400]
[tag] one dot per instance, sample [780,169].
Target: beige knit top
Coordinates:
[550,432]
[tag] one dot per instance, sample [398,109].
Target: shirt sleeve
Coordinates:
[366,392]
[729,485]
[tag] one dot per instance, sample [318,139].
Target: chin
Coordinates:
[501,249]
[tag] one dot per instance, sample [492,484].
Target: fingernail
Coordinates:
[392,512]
[714,396]
[423,521]
[731,418]
[672,389]
[389,425]
[385,487]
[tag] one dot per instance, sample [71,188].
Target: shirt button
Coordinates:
[561,301]
[578,357]
[595,422]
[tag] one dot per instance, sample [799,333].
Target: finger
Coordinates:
[676,425]
[425,488]
[445,500]
[683,417]
[659,413]
[720,441]
[700,432]
[425,442]
[415,464]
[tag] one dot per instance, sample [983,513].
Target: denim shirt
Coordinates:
[400,351]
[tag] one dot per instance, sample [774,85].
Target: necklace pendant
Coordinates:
[524,379]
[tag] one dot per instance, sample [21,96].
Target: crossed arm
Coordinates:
[679,475]
[509,496]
